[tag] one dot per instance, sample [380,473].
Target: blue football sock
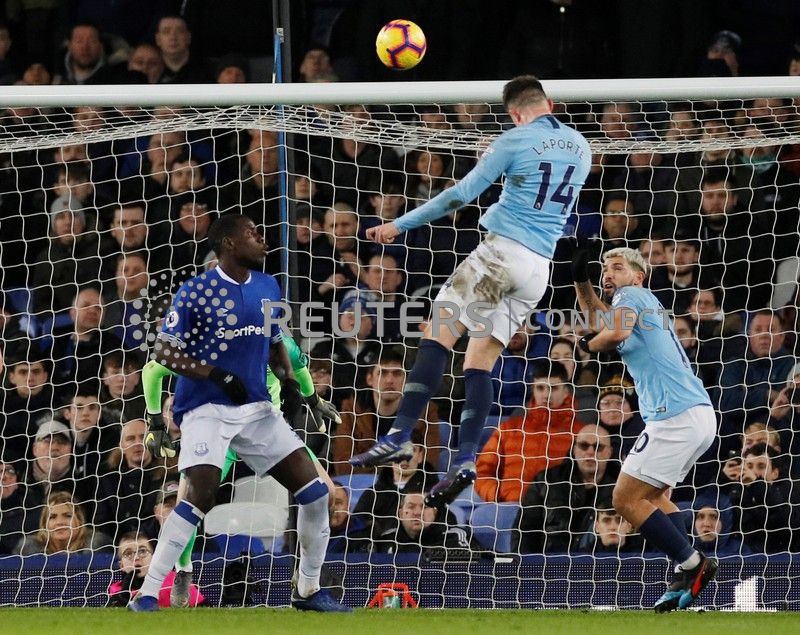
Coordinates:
[479,396]
[682,521]
[660,531]
[422,383]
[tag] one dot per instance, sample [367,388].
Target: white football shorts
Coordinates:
[257,432]
[667,449]
[503,274]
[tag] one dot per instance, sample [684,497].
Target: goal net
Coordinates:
[106,203]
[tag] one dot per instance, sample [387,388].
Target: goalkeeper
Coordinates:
[161,446]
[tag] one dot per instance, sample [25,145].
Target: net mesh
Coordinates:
[105,211]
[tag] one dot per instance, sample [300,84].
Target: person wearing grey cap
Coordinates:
[51,469]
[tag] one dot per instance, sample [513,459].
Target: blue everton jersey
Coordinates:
[545,164]
[220,322]
[656,360]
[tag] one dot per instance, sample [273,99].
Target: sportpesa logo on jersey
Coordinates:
[244,331]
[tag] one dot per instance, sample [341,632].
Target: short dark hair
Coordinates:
[760,449]
[224,227]
[716,292]
[549,368]
[391,354]
[523,90]
[716,175]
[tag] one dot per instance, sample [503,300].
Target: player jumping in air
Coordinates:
[213,337]
[545,164]
[161,446]
[680,420]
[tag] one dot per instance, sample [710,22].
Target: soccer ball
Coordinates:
[401,45]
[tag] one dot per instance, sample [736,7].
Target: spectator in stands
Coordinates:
[190,233]
[146,59]
[722,55]
[166,500]
[126,305]
[382,277]
[63,529]
[785,415]
[558,506]
[378,506]
[650,185]
[134,554]
[707,367]
[736,244]
[746,384]
[764,499]
[714,530]
[131,233]
[705,308]
[231,69]
[94,437]
[654,251]
[174,40]
[145,168]
[51,469]
[622,227]
[583,380]
[27,398]
[77,355]
[128,489]
[256,191]
[85,60]
[525,445]
[19,512]
[420,528]
[512,375]
[316,64]
[350,165]
[755,433]
[349,533]
[610,533]
[383,207]
[429,174]
[676,282]
[334,269]
[370,413]
[71,258]
[617,412]
[121,394]
[37,74]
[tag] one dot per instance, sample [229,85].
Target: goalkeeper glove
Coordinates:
[322,411]
[230,384]
[578,255]
[157,439]
[291,399]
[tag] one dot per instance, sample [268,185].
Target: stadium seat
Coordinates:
[247,519]
[356,484]
[492,525]
[252,489]
[232,547]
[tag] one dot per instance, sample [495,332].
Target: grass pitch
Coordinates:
[388,621]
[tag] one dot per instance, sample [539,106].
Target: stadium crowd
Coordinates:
[95,237]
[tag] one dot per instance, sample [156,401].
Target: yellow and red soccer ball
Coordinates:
[401,45]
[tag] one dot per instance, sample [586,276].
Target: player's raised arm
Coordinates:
[488,169]
[588,301]
[169,354]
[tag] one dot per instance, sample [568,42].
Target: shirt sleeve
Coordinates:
[177,325]
[492,164]
[275,334]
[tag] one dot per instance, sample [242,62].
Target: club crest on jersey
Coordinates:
[172,319]
[201,449]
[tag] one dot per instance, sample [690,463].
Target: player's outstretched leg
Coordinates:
[482,353]
[423,382]
[203,483]
[298,473]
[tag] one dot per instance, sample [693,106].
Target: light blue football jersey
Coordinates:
[545,164]
[216,320]
[664,380]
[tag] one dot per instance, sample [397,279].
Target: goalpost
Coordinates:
[112,187]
